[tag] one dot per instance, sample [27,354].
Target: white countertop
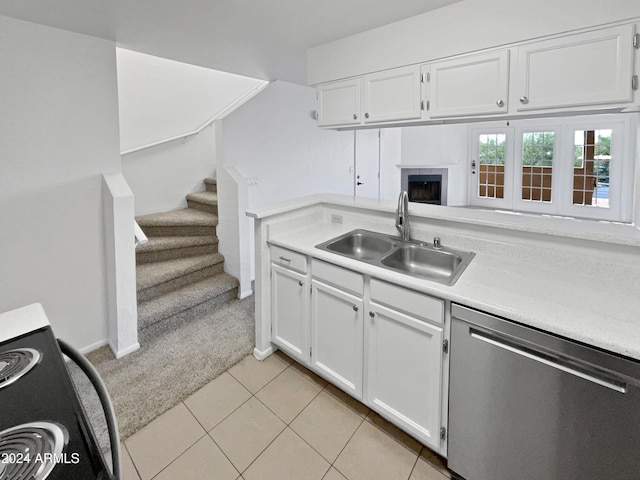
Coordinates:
[600,231]
[549,295]
[22,320]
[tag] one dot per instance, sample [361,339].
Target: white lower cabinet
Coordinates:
[290,312]
[381,343]
[404,371]
[337,336]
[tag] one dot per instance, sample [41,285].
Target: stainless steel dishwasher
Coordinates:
[528,405]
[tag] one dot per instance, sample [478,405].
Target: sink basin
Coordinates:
[361,245]
[443,265]
[420,260]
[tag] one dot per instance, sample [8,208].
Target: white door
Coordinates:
[289,317]
[339,103]
[587,69]
[470,85]
[367,163]
[404,371]
[491,167]
[392,95]
[337,337]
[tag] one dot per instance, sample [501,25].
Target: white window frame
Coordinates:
[621,174]
[519,204]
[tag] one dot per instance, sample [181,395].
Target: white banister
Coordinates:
[228,109]
[140,237]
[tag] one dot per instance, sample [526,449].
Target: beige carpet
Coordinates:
[176,358]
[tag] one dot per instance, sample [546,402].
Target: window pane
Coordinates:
[537,166]
[591,168]
[491,168]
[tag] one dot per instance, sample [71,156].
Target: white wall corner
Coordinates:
[122,309]
[233,225]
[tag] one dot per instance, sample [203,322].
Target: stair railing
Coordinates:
[140,237]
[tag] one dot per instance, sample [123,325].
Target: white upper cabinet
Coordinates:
[469,85]
[593,68]
[339,103]
[392,95]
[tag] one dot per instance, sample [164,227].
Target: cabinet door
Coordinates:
[404,371]
[392,95]
[289,312]
[578,70]
[337,336]
[470,85]
[339,103]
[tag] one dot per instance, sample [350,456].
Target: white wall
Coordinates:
[161,176]
[463,27]
[273,142]
[161,98]
[58,134]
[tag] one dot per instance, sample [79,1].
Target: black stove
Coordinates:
[44,431]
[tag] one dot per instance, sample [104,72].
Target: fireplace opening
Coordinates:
[425,189]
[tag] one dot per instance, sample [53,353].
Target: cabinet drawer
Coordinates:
[337,276]
[289,259]
[407,301]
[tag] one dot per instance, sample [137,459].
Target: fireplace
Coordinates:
[425,185]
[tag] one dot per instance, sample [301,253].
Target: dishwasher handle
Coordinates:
[567,365]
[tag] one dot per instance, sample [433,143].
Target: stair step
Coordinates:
[204,201]
[211,184]
[181,222]
[158,278]
[219,289]
[158,249]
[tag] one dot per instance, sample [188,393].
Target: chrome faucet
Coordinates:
[402,216]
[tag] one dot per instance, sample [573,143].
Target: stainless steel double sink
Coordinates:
[416,259]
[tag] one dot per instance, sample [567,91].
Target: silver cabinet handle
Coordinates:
[355,116]
[355,308]
[366,115]
[524,100]
[372,314]
[500,103]
[300,283]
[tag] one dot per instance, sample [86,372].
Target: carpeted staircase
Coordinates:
[179,271]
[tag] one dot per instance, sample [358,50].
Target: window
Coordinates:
[579,166]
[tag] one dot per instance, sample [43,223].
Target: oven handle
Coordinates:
[107,406]
[572,368]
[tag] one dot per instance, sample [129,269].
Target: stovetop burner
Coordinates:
[16,363]
[30,451]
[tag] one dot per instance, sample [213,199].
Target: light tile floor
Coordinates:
[274,420]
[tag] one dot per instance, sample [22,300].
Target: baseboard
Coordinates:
[92,347]
[262,354]
[245,294]
[125,351]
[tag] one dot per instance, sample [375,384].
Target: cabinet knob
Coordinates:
[355,308]
[500,103]
[372,314]
[300,283]
[366,115]
[355,116]
[524,100]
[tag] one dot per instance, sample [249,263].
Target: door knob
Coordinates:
[359,183]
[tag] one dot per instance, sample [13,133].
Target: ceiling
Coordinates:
[266,39]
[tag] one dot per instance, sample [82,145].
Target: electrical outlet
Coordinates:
[336,218]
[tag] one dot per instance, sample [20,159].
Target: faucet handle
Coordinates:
[436,243]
